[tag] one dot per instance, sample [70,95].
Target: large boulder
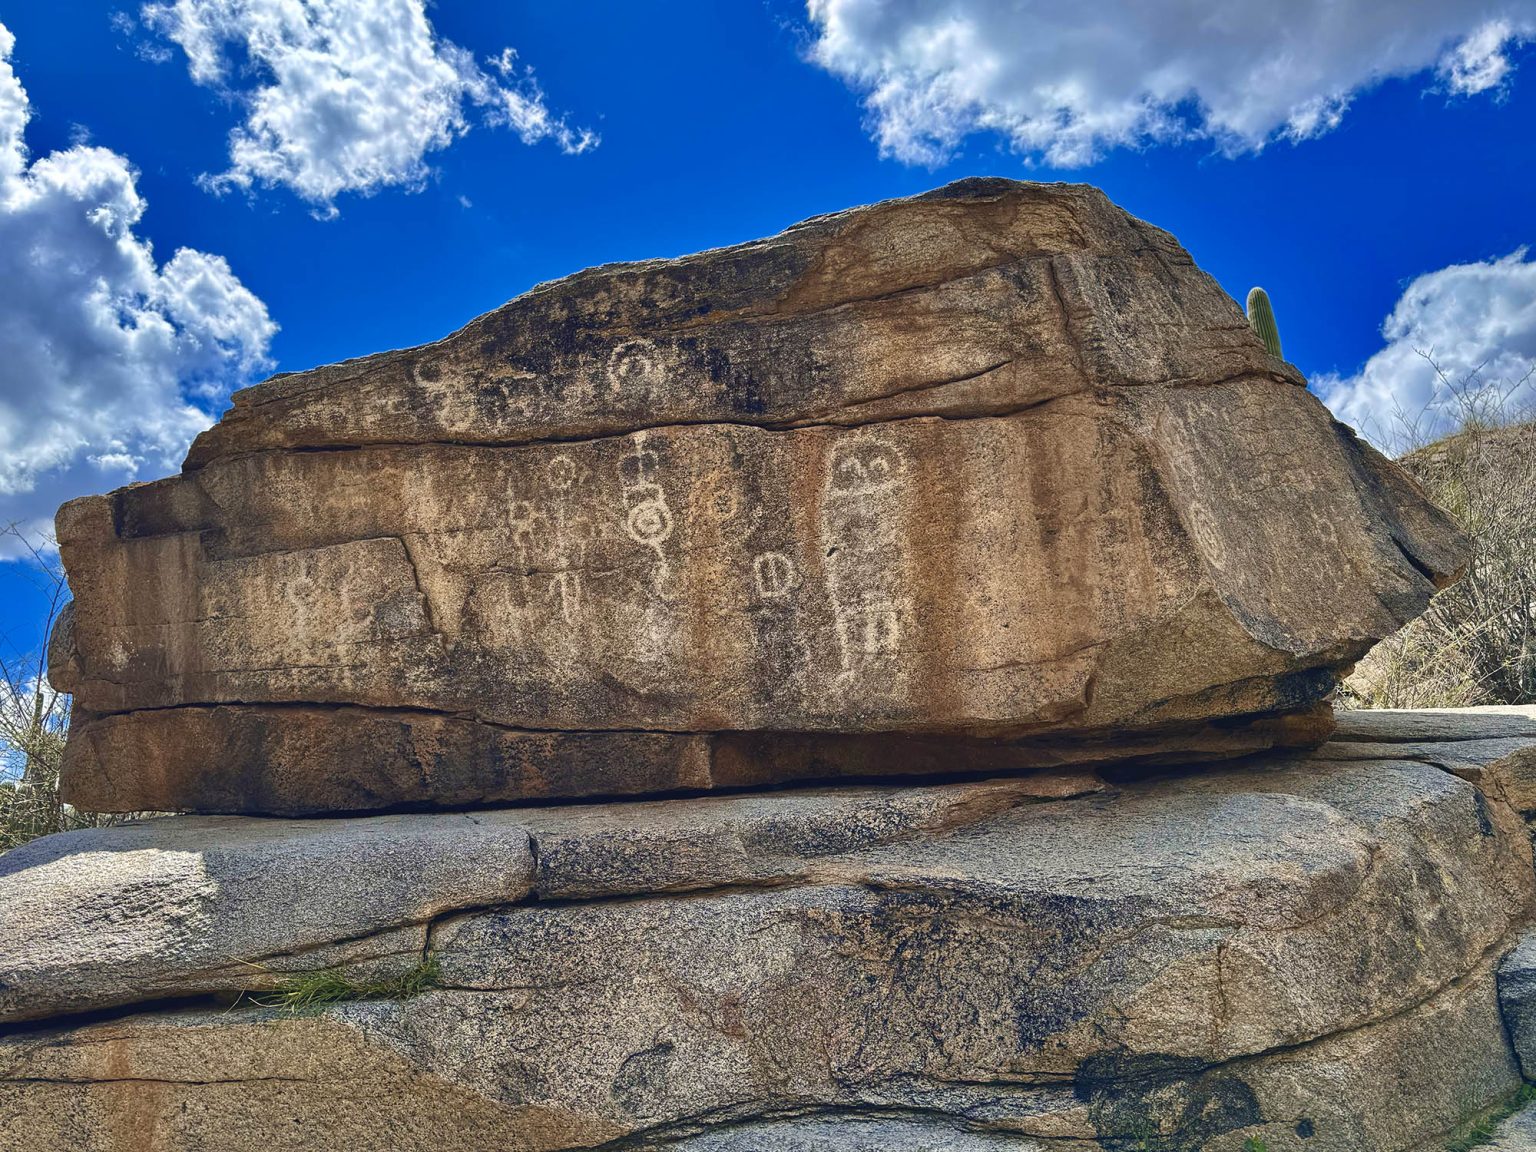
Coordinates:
[996,462]
[1299,950]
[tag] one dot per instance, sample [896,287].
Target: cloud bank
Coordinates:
[1477,323]
[1066,82]
[109,360]
[347,95]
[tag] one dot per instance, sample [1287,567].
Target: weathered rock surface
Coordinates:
[98,918]
[998,461]
[295,761]
[1299,948]
[1517,1000]
[1494,746]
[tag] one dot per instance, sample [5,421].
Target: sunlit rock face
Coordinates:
[993,477]
[1295,951]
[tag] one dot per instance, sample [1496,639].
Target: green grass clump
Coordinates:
[1480,1130]
[311,990]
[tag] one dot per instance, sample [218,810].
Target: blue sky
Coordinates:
[1360,167]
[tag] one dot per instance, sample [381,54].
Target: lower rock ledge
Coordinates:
[1296,950]
[409,1075]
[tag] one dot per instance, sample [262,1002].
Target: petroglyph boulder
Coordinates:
[1300,951]
[997,463]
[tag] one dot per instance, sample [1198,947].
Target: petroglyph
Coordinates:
[875,628]
[648,517]
[866,561]
[525,523]
[635,365]
[1207,535]
[562,473]
[650,522]
[566,587]
[864,466]
[775,575]
[551,538]
[724,505]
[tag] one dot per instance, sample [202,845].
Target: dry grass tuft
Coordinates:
[1476,644]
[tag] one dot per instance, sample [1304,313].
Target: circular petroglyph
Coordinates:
[561,473]
[649,522]
[634,365]
[724,505]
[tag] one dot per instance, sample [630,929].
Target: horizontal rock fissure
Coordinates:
[1043,734]
[423,922]
[1345,736]
[402,712]
[821,423]
[745,1120]
[156,1006]
[162,1080]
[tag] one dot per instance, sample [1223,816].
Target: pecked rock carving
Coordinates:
[894,505]
[993,477]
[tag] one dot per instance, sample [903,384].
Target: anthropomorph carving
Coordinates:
[866,488]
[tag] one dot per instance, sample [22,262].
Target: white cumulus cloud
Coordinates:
[1460,338]
[1067,81]
[347,95]
[109,360]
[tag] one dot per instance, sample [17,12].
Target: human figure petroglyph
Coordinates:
[527,526]
[552,537]
[863,466]
[866,557]
[648,517]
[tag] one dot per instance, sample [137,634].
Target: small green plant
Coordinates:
[1480,1130]
[1255,1143]
[312,990]
[1261,317]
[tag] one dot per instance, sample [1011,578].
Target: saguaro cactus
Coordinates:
[1262,318]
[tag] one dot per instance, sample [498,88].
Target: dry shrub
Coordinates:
[33,722]
[1476,644]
